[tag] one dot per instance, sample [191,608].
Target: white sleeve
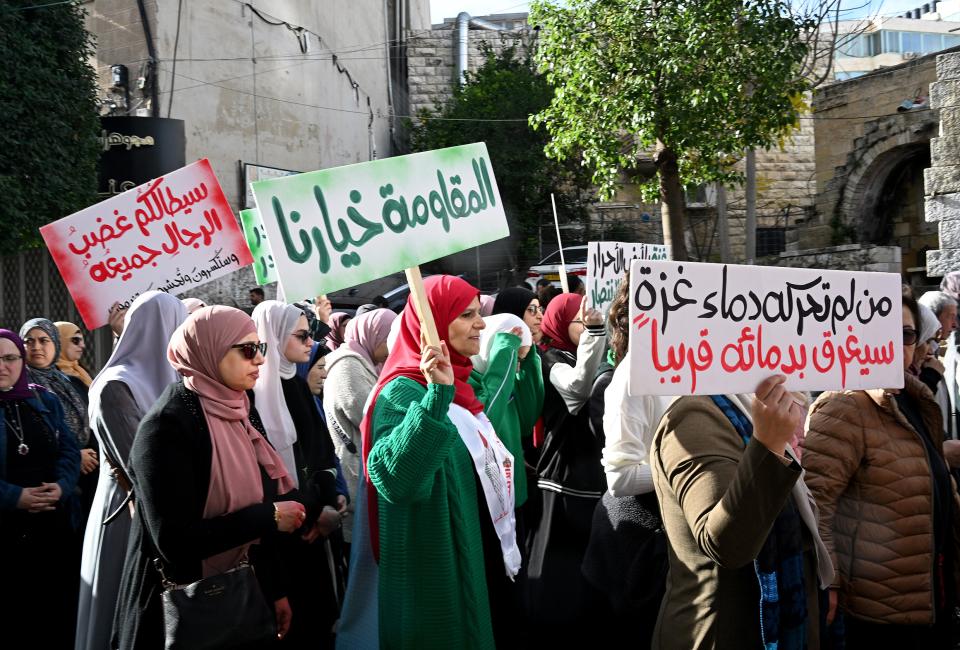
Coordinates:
[574,383]
[628,426]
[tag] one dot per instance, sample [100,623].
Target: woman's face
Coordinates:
[40,348]
[533,316]
[72,348]
[298,345]
[238,372]
[317,375]
[463,335]
[342,328]
[10,368]
[381,353]
[909,328]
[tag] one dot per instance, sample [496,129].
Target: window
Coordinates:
[950,40]
[911,42]
[851,45]
[891,41]
[771,241]
[843,75]
[931,43]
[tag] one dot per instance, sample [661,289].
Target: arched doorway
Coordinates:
[891,204]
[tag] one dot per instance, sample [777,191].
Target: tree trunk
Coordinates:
[672,202]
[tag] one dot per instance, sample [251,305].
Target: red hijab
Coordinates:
[448,296]
[561,311]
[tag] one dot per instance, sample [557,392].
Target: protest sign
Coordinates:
[263,267]
[171,234]
[608,263]
[340,227]
[703,329]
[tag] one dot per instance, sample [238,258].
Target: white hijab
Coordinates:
[139,359]
[275,322]
[495,325]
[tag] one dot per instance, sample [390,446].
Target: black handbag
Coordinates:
[222,611]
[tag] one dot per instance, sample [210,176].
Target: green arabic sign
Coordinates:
[263,265]
[340,227]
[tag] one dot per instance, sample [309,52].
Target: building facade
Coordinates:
[262,88]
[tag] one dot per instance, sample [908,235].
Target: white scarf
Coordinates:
[495,467]
[275,322]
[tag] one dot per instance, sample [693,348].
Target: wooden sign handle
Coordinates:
[419,294]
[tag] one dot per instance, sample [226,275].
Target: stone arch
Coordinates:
[874,167]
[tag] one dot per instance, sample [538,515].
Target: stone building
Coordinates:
[870,155]
[785,187]
[942,179]
[261,87]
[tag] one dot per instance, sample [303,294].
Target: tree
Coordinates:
[696,83]
[494,106]
[48,168]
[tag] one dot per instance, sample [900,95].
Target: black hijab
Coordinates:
[513,300]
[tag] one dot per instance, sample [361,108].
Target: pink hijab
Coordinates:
[239,450]
[367,332]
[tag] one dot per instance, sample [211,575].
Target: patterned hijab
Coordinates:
[195,351]
[67,367]
[53,379]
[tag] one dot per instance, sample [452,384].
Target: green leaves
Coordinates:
[48,168]
[706,78]
[493,107]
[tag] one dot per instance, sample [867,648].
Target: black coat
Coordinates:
[170,470]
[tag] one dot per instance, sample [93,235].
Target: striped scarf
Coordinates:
[779,565]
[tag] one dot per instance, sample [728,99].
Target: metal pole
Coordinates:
[750,252]
[723,226]
[563,263]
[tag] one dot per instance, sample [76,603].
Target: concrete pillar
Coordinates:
[942,180]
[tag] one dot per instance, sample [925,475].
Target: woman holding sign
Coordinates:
[440,487]
[875,464]
[571,478]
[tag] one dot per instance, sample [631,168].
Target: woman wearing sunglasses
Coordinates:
[211,493]
[135,375]
[286,407]
[875,465]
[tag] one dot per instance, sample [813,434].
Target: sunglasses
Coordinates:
[302,335]
[249,350]
[909,336]
[76,340]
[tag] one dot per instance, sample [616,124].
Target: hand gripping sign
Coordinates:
[171,234]
[703,329]
[340,227]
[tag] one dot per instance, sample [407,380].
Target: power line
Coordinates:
[43,6]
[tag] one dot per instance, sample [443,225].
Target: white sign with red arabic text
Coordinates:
[707,329]
[171,234]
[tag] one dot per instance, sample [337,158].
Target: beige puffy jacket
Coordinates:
[870,475]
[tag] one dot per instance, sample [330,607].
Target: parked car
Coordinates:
[548,268]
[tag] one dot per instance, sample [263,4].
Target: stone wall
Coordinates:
[942,180]
[848,257]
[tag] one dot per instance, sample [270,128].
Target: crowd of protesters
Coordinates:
[499,490]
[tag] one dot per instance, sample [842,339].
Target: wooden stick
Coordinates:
[563,263]
[419,294]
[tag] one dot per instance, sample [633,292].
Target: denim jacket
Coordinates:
[68,462]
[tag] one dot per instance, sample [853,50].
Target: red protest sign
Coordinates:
[171,234]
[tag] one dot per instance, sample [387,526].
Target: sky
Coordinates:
[440,9]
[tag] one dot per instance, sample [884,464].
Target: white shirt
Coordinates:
[629,423]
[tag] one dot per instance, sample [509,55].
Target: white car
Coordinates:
[575,258]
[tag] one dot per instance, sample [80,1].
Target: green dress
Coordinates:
[512,400]
[433,591]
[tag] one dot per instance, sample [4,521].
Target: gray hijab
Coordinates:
[53,379]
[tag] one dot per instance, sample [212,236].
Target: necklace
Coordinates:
[17,429]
